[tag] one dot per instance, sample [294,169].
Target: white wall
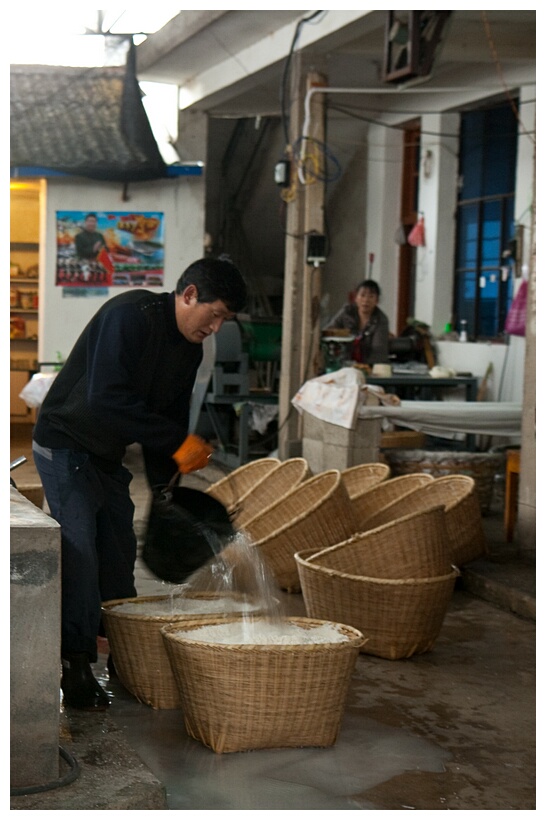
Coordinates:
[180,199]
[505,382]
[345,264]
[363,216]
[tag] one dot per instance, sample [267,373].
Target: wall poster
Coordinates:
[109,249]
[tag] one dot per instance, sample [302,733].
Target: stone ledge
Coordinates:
[111,775]
[506,586]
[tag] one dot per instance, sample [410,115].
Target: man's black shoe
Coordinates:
[81,689]
[111,667]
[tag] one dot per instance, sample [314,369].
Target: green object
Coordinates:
[262,339]
[447,328]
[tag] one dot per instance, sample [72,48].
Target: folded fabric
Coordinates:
[333,397]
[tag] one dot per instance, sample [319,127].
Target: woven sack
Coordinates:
[368,503]
[464,530]
[231,488]
[316,514]
[364,476]
[237,697]
[137,647]
[415,546]
[277,484]
[398,617]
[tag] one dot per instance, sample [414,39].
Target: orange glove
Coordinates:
[193,454]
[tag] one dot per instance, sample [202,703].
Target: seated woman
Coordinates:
[367,322]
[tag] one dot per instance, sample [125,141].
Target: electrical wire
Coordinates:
[69,777]
[500,72]
[351,112]
[312,165]
[286,72]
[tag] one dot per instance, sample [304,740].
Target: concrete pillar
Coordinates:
[331,447]
[437,203]
[35,648]
[383,192]
[328,446]
[192,136]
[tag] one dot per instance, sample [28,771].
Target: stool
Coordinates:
[511,493]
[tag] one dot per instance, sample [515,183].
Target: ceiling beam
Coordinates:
[182,28]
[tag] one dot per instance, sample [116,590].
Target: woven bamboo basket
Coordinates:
[482,467]
[275,486]
[366,505]
[231,488]
[238,697]
[463,519]
[316,514]
[138,650]
[398,617]
[415,546]
[364,476]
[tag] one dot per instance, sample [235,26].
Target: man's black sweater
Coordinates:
[129,378]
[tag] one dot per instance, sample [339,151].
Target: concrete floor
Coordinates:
[453,728]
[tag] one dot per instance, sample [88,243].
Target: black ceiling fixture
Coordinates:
[411,41]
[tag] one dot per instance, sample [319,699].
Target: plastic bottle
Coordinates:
[463,336]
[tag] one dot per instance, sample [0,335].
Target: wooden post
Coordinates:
[302,282]
[313,163]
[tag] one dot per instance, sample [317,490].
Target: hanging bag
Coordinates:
[416,236]
[517,315]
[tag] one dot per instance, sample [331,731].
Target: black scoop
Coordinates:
[186,528]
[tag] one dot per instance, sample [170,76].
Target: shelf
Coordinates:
[20,280]
[23,310]
[24,246]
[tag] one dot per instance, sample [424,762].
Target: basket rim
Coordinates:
[292,521]
[333,573]
[357,536]
[402,518]
[370,465]
[379,489]
[356,637]
[290,484]
[298,460]
[468,483]
[109,608]
[231,478]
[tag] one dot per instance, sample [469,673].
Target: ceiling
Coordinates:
[231,63]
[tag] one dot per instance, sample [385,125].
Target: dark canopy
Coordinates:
[87,122]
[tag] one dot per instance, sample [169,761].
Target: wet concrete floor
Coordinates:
[453,728]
